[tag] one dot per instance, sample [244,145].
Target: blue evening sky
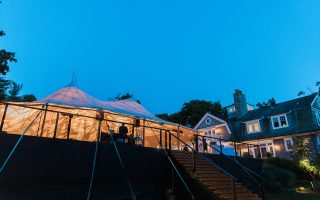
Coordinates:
[166,52]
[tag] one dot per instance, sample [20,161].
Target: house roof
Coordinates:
[279,108]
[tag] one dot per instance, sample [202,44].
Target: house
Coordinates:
[273,130]
[216,131]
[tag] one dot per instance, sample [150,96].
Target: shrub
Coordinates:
[277,178]
[289,165]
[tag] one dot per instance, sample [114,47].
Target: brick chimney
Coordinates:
[240,103]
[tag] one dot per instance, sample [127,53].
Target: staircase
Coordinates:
[221,184]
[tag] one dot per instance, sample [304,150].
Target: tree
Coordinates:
[28,98]
[14,91]
[4,86]
[305,159]
[269,103]
[124,97]
[192,111]
[317,85]
[5,58]
[301,93]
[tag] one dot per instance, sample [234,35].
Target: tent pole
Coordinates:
[69,127]
[56,127]
[3,116]
[44,119]
[143,131]
[132,133]
[178,135]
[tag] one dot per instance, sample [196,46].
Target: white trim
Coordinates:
[315,98]
[317,117]
[318,139]
[278,117]
[206,116]
[216,126]
[252,122]
[285,143]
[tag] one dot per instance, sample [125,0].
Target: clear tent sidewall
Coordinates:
[78,123]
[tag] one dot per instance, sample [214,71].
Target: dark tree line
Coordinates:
[192,111]
[10,90]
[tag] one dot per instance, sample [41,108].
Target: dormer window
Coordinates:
[253,126]
[279,121]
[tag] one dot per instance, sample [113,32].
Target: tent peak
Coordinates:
[73,82]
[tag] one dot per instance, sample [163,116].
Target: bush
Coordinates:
[289,165]
[277,178]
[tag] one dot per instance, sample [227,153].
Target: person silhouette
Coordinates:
[123,131]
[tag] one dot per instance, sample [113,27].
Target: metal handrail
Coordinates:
[243,167]
[174,166]
[256,174]
[210,161]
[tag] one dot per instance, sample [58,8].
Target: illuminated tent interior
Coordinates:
[70,113]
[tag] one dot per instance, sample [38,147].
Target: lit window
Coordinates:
[253,126]
[279,121]
[288,143]
[231,109]
[318,117]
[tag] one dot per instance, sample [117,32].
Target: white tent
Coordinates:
[70,113]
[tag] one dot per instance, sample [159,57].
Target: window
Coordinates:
[279,121]
[249,107]
[318,117]
[208,120]
[318,101]
[288,143]
[231,109]
[253,126]
[318,139]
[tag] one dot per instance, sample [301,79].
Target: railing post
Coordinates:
[161,138]
[166,139]
[56,126]
[44,119]
[143,132]
[169,141]
[234,191]
[3,116]
[197,141]
[220,145]
[69,126]
[235,149]
[194,160]
[248,151]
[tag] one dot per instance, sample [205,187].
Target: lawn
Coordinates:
[292,196]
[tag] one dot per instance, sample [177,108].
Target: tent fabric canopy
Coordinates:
[70,113]
[73,96]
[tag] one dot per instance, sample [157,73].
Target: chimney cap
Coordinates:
[237,91]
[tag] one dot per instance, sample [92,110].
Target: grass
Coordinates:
[292,196]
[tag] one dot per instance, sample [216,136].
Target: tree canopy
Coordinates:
[124,97]
[270,102]
[192,111]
